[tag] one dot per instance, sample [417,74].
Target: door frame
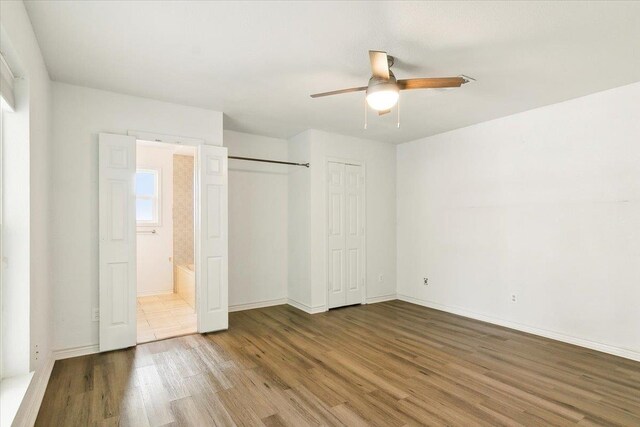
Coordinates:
[352,162]
[196,143]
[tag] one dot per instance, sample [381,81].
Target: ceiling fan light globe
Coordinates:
[383,99]
[382,94]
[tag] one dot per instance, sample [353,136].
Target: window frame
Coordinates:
[156,199]
[2,108]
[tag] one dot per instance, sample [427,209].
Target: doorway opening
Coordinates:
[118,228]
[165,218]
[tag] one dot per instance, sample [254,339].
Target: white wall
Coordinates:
[155,251]
[380,195]
[79,115]
[258,220]
[27,321]
[545,205]
[299,231]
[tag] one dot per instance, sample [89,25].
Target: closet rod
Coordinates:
[251,159]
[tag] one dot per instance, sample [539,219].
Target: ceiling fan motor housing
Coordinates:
[378,84]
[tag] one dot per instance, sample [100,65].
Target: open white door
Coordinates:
[212,240]
[117,167]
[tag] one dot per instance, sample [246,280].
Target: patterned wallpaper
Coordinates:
[182,209]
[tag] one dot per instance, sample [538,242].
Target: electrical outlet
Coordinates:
[514,298]
[96,314]
[380,277]
[426,281]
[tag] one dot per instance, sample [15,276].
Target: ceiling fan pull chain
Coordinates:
[365,113]
[398,112]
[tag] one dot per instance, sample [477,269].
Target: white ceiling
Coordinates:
[258,62]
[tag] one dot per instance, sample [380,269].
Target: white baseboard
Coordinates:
[322,308]
[76,351]
[259,304]
[305,307]
[30,406]
[605,348]
[382,298]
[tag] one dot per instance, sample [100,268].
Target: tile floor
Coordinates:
[164,316]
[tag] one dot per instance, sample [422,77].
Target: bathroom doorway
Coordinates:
[165,218]
[120,235]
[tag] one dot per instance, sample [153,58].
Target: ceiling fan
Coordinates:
[383,89]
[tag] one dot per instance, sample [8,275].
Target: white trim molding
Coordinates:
[258,304]
[169,139]
[30,406]
[68,353]
[381,298]
[306,308]
[605,348]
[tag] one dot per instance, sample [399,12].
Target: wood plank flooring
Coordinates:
[386,364]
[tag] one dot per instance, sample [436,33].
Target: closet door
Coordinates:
[336,241]
[354,234]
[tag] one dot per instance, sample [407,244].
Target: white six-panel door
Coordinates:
[354,234]
[117,247]
[336,240]
[345,226]
[212,240]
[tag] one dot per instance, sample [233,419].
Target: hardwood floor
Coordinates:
[387,364]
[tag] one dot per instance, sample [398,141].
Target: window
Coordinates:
[2,107]
[7,104]
[148,197]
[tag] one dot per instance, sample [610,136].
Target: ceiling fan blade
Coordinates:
[379,64]
[431,82]
[382,112]
[338,92]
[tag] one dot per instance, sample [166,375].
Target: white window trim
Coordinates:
[157,199]
[6,85]
[2,101]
